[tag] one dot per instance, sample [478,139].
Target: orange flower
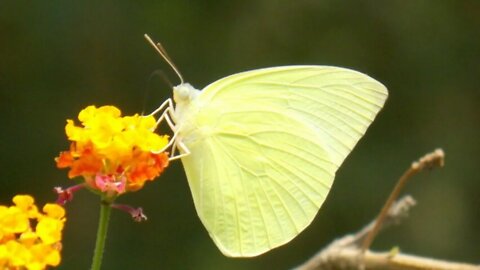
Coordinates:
[114,154]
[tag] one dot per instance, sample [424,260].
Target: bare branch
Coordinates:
[350,252]
[335,250]
[348,259]
[436,158]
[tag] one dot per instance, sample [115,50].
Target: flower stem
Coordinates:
[105,210]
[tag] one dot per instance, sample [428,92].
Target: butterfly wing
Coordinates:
[265,146]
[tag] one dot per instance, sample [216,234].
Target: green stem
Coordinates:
[105,210]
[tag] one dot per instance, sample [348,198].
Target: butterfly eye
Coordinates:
[180,93]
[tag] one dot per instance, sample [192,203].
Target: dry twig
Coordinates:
[429,161]
[351,251]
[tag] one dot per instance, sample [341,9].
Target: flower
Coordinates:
[114,154]
[30,239]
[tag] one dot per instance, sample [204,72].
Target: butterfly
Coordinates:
[260,148]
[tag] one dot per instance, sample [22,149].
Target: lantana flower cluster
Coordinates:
[114,154]
[30,239]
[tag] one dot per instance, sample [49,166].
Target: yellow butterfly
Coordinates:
[260,148]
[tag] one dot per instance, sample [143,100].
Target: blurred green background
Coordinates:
[57,57]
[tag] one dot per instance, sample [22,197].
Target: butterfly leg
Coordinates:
[171,142]
[181,146]
[166,103]
[169,117]
[167,107]
[174,143]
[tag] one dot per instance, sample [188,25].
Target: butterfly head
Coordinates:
[184,93]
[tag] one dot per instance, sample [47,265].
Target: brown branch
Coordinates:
[334,253]
[350,251]
[429,161]
[398,211]
[348,259]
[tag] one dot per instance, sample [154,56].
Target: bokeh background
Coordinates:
[57,57]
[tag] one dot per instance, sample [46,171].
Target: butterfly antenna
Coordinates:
[163,77]
[159,48]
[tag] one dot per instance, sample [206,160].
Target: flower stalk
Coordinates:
[102,229]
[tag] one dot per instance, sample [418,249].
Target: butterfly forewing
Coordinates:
[265,146]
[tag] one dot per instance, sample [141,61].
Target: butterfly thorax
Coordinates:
[186,108]
[183,95]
